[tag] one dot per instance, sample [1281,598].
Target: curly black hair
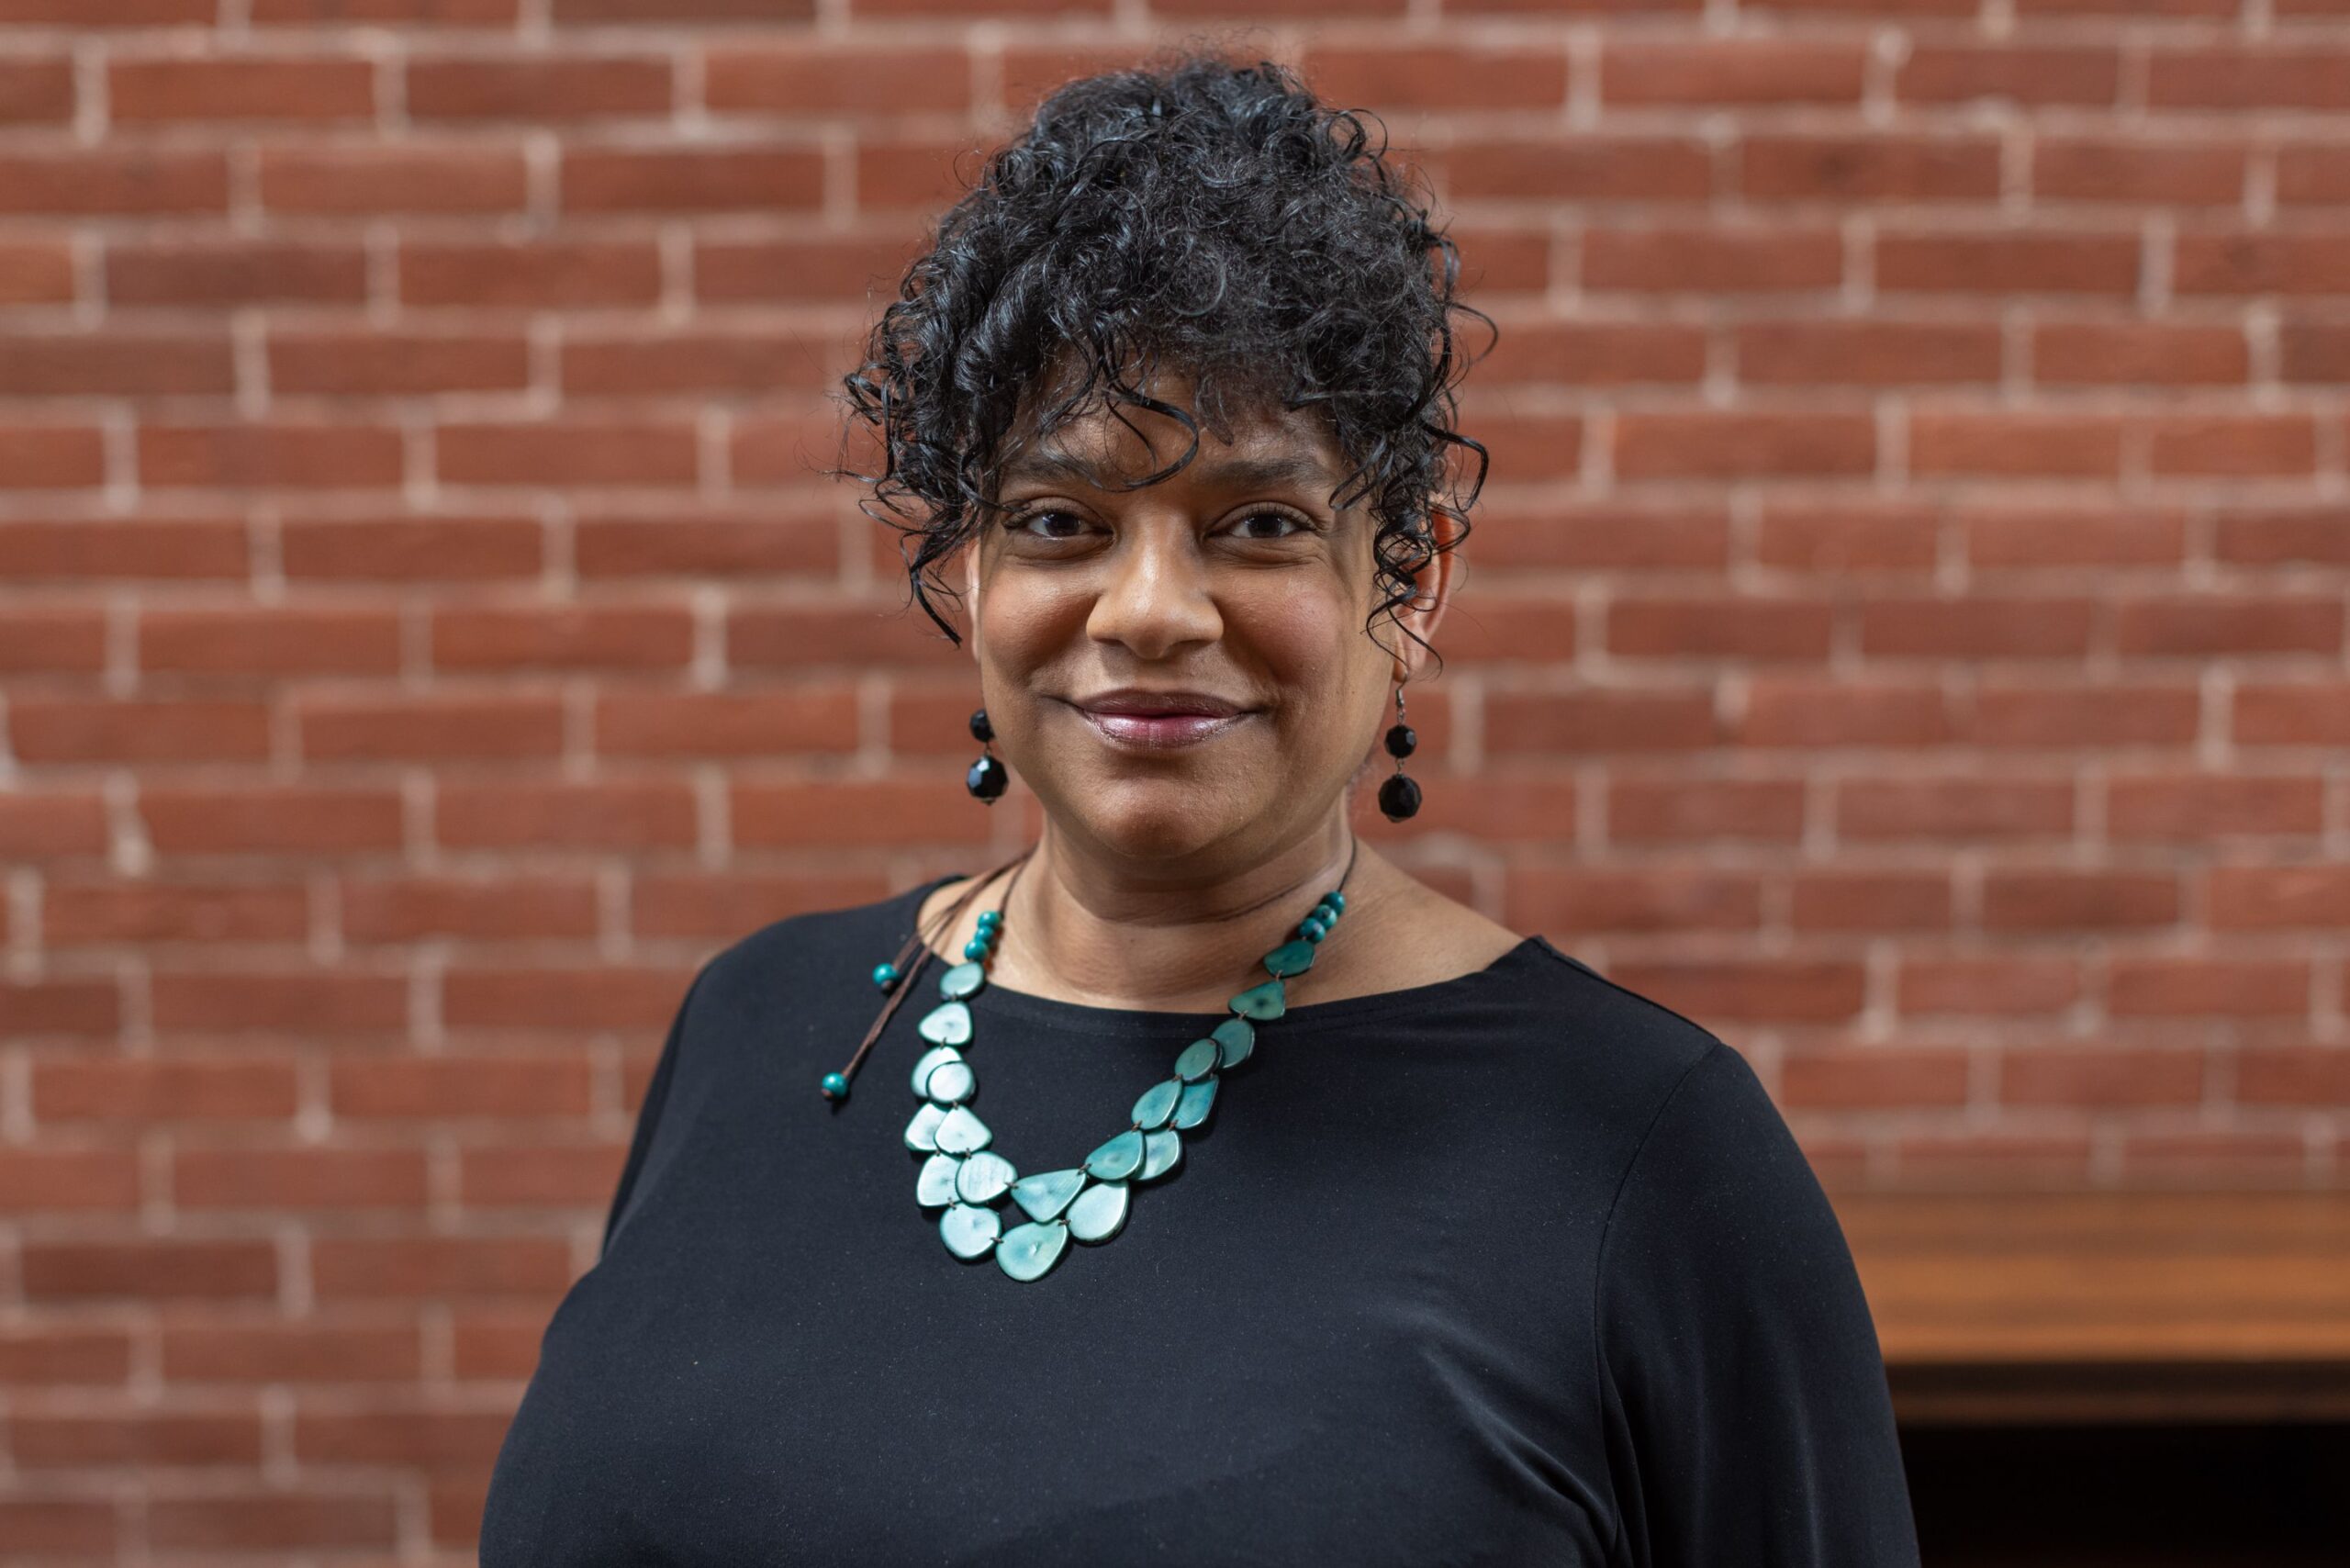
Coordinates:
[1200,214]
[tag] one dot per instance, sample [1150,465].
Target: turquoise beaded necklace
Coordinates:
[965,1178]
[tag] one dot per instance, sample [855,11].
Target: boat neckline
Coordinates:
[1306,1017]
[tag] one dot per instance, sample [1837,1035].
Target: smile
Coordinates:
[1158,732]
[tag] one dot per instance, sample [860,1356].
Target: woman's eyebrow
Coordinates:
[1222,472]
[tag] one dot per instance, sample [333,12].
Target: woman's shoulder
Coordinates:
[815,942]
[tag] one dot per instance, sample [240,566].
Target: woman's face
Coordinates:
[1233,581]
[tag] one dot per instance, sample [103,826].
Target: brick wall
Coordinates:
[1905,630]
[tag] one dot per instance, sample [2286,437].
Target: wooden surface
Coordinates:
[2108,1306]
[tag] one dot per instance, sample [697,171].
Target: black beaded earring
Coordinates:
[987,777]
[1400,797]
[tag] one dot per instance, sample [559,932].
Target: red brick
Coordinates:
[808,78]
[166,1089]
[429,727]
[2233,444]
[908,173]
[1597,354]
[1978,626]
[86,1007]
[154,729]
[1740,71]
[653,636]
[365,180]
[221,273]
[1863,1077]
[115,365]
[276,88]
[1789,989]
[363,363]
[298,1179]
[691,180]
[342,12]
[2013,536]
[1584,168]
[2302,712]
[412,549]
[2126,354]
[439,1088]
[808,717]
[35,89]
[740,363]
[543,275]
[2014,261]
[1871,168]
[2071,716]
[2148,170]
[61,1527]
[1693,442]
[149,1269]
[298,1002]
[299,1351]
[109,14]
[76,913]
[506,909]
[1996,444]
[809,267]
[668,13]
[2297,263]
[1948,74]
[1969,808]
[572,453]
[147,182]
[1712,259]
[2101,1075]
[1595,899]
[2311,173]
[249,820]
[36,272]
[269,457]
[781,541]
[275,1519]
[49,457]
[861,813]
[1812,711]
[2079,900]
[1870,353]
[649,815]
[544,88]
[78,1181]
[2262,78]
[1601,721]
[257,639]
[2185,807]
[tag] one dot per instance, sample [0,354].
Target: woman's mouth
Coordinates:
[1158,732]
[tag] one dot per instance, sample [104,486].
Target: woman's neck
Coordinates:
[1079,928]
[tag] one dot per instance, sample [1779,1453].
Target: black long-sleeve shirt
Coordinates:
[1515,1268]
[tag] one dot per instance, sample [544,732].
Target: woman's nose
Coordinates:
[1155,596]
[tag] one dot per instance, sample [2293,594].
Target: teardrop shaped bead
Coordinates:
[951,1083]
[1099,1211]
[962,1133]
[1190,1111]
[949,1024]
[1117,1159]
[1237,1036]
[931,1059]
[985,1177]
[968,1232]
[1196,1062]
[1047,1194]
[961,980]
[1290,959]
[922,1133]
[935,1186]
[1162,1152]
[1263,1002]
[1026,1251]
[1158,1104]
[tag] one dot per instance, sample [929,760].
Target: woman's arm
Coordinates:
[1744,1394]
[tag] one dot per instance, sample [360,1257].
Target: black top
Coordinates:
[1515,1268]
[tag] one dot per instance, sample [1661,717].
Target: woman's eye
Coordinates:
[1293,524]
[1021,524]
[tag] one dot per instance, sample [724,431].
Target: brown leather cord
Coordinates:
[917,952]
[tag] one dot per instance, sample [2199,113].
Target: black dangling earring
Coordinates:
[987,777]
[1400,797]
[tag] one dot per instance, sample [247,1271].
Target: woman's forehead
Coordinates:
[1111,449]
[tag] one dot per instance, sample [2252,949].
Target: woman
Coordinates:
[1307,1215]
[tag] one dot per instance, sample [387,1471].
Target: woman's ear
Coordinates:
[971,595]
[1433,590]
